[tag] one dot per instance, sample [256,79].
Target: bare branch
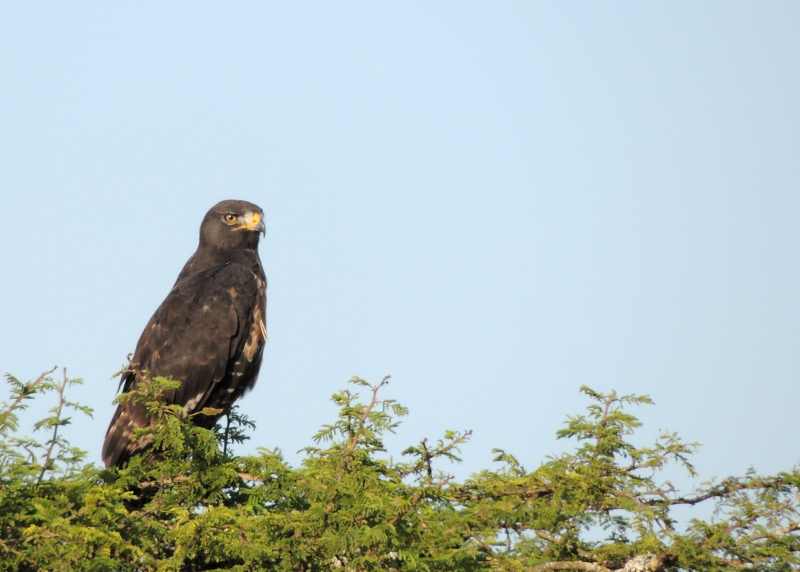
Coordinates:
[570,566]
[641,563]
[722,490]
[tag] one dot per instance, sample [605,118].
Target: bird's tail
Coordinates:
[120,442]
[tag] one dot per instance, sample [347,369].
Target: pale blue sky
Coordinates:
[495,202]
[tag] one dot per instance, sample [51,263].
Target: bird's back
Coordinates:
[209,333]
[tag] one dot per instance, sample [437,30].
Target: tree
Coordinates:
[189,503]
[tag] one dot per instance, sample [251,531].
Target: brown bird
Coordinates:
[209,332]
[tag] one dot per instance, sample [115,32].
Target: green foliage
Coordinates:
[187,502]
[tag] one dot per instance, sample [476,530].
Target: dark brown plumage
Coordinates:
[209,332]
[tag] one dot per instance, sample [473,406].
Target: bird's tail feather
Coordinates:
[119,443]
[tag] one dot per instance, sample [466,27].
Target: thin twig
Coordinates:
[366,412]
[225,435]
[719,491]
[427,457]
[56,424]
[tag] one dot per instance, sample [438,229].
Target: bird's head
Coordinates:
[232,224]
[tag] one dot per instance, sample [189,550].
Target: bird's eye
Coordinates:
[229,218]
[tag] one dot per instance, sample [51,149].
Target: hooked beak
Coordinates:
[253,221]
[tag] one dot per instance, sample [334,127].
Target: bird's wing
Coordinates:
[192,337]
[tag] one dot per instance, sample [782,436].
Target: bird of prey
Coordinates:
[209,332]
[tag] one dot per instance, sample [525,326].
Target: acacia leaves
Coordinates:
[189,502]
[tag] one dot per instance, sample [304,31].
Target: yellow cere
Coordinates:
[252,219]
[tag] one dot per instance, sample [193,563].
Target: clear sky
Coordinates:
[495,202]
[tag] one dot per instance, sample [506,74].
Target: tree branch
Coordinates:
[51,444]
[354,438]
[722,490]
[570,566]
[642,563]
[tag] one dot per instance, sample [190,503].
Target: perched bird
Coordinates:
[209,332]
